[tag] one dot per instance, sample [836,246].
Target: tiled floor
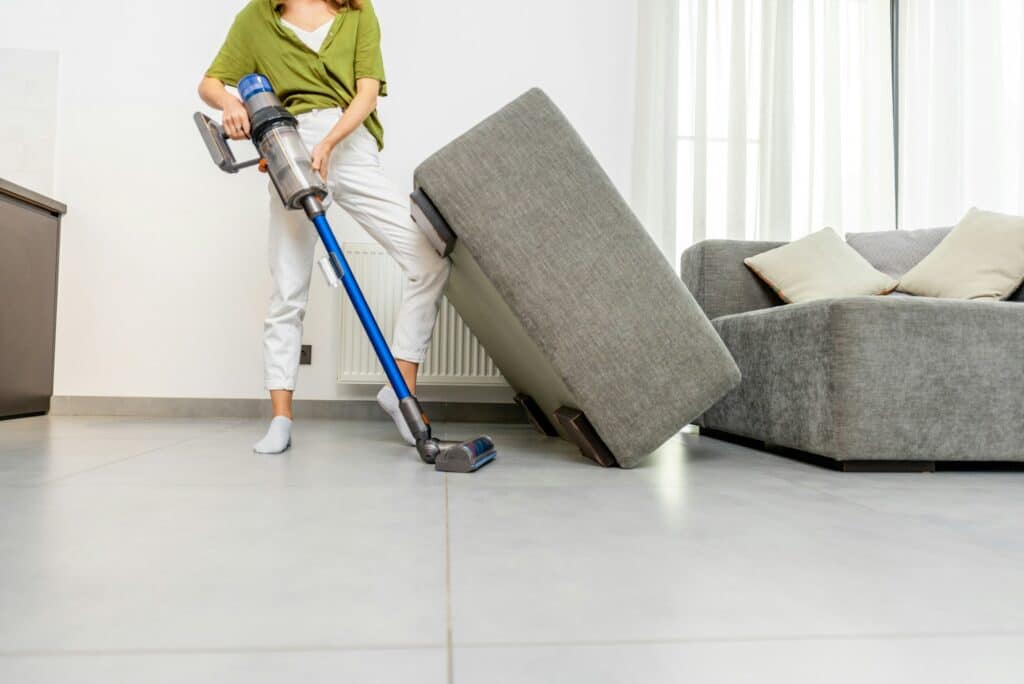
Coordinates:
[154,550]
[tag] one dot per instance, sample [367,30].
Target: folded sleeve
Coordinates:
[369,62]
[235,59]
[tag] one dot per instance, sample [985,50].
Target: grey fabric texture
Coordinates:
[547,227]
[878,378]
[784,395]
[502,334]
[714,272]
[894,252]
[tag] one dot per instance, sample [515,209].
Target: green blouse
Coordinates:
[303,79]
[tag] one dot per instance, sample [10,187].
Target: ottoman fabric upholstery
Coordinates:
[564,287]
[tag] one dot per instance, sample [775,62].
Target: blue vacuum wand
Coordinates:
[288,162]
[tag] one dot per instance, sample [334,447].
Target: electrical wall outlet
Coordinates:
[306,356]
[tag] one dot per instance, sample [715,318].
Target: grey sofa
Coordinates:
[865,382]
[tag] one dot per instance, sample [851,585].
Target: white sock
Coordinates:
[388,400]
[278,437]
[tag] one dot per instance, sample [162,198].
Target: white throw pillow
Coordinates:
[981,258]
[819,266]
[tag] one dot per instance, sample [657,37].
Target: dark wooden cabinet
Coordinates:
[29,251]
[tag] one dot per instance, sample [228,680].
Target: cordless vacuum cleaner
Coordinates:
[284,156]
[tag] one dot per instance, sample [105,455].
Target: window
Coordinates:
[785,119]
[787,124]
[961,92]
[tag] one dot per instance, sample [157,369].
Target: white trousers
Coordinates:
[359,186]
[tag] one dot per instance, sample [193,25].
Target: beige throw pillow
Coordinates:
[981,258]
[819,266]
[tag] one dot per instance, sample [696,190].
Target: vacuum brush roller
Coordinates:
[449,457]
[467,456]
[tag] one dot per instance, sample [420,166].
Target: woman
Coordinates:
[324,60]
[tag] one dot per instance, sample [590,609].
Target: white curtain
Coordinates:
[961,115]
[785,118]
[654,158]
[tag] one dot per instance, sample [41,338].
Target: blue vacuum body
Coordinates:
[275,134]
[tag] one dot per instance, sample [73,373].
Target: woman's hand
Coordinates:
[364,103]
[322,156]
[236,118]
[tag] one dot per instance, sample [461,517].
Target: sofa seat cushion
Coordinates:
[867,378]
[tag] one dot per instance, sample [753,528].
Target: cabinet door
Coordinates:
[29,243]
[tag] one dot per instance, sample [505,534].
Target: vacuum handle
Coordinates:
[217,143]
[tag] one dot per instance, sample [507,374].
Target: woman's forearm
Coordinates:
[361,107]
[236,119]
[214,93]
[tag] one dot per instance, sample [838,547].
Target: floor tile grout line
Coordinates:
[313,485]
[749,639]
[426,646]
[141,453]
[448,586]
[227,650]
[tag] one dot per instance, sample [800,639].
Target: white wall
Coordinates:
[164,279]
[28,124]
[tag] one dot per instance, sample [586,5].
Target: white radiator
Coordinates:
[455,357]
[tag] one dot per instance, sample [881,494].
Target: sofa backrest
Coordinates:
[894,252]
[715,274]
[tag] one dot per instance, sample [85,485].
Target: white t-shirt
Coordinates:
[314,39]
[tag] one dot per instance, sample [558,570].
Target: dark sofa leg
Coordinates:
[583,435]
[535,415]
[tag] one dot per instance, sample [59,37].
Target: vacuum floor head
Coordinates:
[466,457]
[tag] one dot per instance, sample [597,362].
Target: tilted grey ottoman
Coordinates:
[565,289]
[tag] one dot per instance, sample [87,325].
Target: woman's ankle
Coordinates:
[409,371]
[281,401]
